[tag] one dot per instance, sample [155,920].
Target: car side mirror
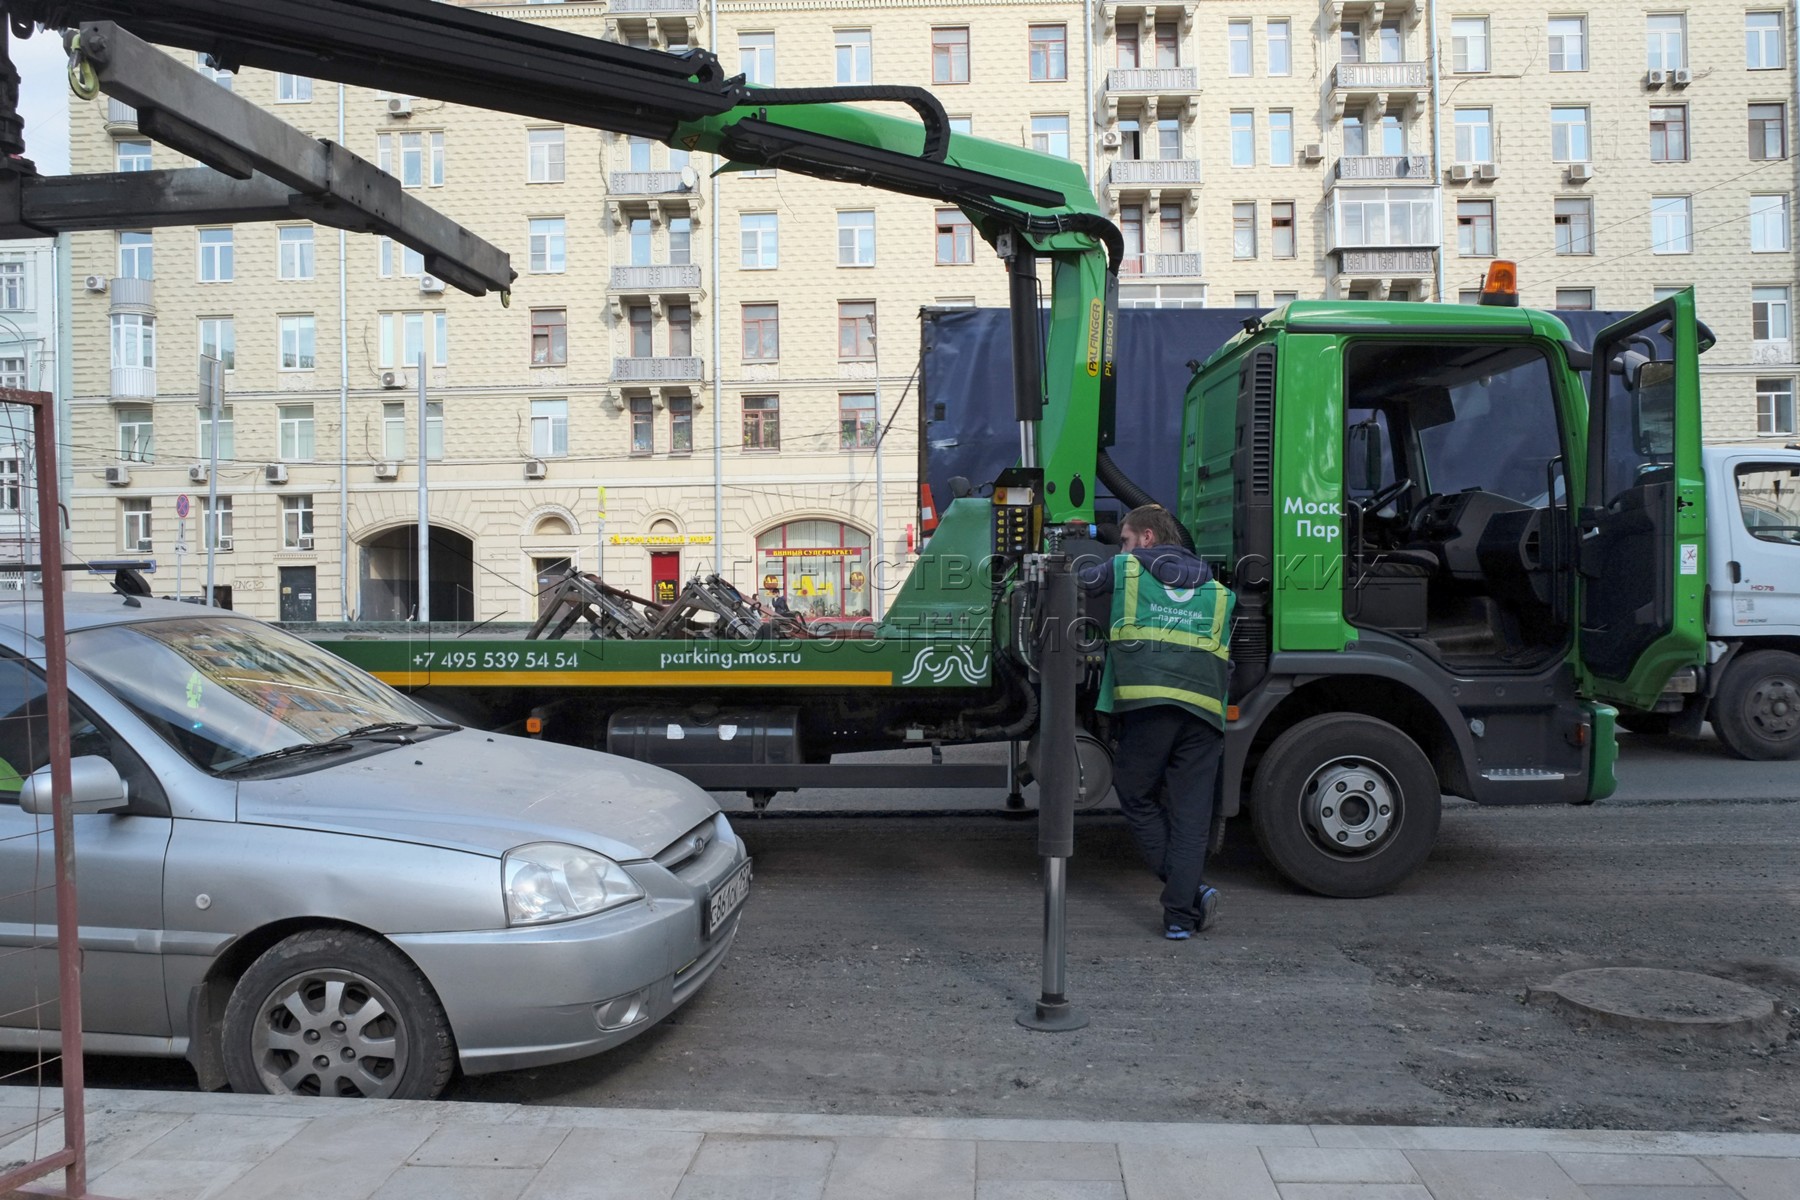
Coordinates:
[95,787]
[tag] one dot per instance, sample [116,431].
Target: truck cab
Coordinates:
[1450,565]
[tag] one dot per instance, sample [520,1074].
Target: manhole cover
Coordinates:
[1649,998]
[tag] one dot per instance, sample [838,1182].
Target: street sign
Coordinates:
[181,547]
[181,506]
[600,495]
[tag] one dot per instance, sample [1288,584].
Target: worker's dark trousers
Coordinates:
[1159,744]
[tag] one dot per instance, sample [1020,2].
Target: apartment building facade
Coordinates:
[29,330]
[724,353]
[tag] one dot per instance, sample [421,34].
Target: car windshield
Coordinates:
[223,690]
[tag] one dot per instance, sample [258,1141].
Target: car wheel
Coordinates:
[1757,709]
[1345,805]
[333,1012]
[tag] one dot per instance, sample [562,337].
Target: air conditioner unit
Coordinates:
[535,469]
[1487,172]
[1313,151]
[400,106]
[305,543]
[1110,139]
[387,470]
[197,473]
[144,545]
[1683,77]
[225,543]
[393,379]
[275,472]
[430,283]
[1655,79]
[95,283]
[118,476]
[1461,173]
[1580,173]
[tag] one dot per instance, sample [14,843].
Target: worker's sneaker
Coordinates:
[1178,933]
[1207,901]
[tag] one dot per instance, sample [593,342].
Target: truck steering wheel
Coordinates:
[1385,496]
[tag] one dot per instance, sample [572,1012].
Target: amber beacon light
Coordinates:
[1502,284]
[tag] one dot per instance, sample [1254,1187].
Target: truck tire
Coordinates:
[1345,805]
[1757,709]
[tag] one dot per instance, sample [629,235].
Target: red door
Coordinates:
[665,575]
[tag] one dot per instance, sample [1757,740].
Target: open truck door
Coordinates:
[1643,517]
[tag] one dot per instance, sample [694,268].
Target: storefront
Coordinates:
[823,567]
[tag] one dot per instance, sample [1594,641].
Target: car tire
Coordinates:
[1366,847]
[299,1022]
[1757,709]
[1648,724]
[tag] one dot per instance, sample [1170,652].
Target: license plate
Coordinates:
[726,899]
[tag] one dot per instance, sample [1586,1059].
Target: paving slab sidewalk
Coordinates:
[197,1146]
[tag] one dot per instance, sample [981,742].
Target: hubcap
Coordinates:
[329,1033]
[1351,806]
[1773,707]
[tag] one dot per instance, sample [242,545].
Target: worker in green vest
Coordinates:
[1167,666]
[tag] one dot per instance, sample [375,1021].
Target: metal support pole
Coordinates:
[424,610]
[1058,675]
[212,371]
[880,574]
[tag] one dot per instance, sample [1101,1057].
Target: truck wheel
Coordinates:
[336,1013]
[1345,805]
[1650,724]
[1757,709]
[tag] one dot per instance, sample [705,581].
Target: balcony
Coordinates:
[653,8]
[1415,167]
[657,370]
[132,295]
[644,183]
[1161,266]
[1155,172]
[1382,77]
[120,117]
[1151,81]
[1386,263]
[660,278]
[134,383]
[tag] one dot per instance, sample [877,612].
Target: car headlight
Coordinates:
[550,881]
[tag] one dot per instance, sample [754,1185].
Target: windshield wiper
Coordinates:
[297,750]
[362,731]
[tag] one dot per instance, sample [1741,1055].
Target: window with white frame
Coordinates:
[549,248]
[1393,134]
[1671,225]
[393,431]
[681,241]
[295,244]
[1280,40]
[950,55]
[1765,41]
[13,373]
[638,241]
[1665,41]
[1281,138]
[1048,53]
[1669,133]
[855,57]
[12,479]
[218,339]
[293,89]
[1387,217]
[1281,229]
[1574,223]
[762,332]
[13,292]
[132,155]
[1474,135]
[415,159]
[1568,43]
[1475,228]
[1664,291]
[398,259]
[1355,136]
[759,241]
[133,340]
[137,434]
[1243,138]
[856,330]
[1172,237]
[643,425]
[297,342]
[215,256]
[1237,47]
[1350,42]
[216,534]
[1768,132]
[137,256]
[1050,135]
[1168,138]
[856,421]
[544,155]
[1770,315]
[549,428]
[296,522]
[549,337]
[294,432]
[1469,44]
[756,58]
[1243,229]
[434,429]
[406,335]
[637,153]
[1246,300]
[1392,40]
[1575,299]
[856,238]
[135,524]
[1569,134]
[681,424]
[227,431]
[1769,223]
[1774,406]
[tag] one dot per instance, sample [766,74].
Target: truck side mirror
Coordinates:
[1362,457]
[95,787]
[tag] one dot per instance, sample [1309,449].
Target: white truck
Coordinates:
[1750,687]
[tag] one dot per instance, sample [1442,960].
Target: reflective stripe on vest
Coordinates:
[1182,661]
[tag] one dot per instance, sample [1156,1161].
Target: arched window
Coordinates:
[823,567]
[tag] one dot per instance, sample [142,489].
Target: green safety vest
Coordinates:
[1167,645]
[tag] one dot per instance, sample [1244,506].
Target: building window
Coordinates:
[12,373]
[544,155]
[403,338]
[393,431]
[1769,315]
[1392,42]
[1774,406]
[13,294]
[1049,53]
[1393,135]
[1173,237]
[1281,229]
[1131,228]
[1569,135]
[1668,133]
[955,237]
[1281,48]
[1469,44]
[292,89]
[1768,132]
[1671,225]
[637,153]
[434,429]
[1249,300]
[1765,41]
[1243,139]
[762,332]
[297,343]
[132,156]
[137,256]
[216,533]
[549,428]
[1350,43]
[681,331]
[856,238]
[296,522]
[137,435]
[762,422]
[1050,135]
[415,159]
[12,480]
[759,241]
[215,255]
[856,330]
[1237,46]
[1575,299]
[962,125]
[549,246]
[681,424]
[641,324]
[135,516]
[1243,229]
[950,55]
[855,57]
[411,261]
[295,247]
[1665,38]
[756,58]
[1475,228]
[227,434]
[1356,138]
[1474,135]
[1281,138]
[218,339]
[1769,223]
[294,426]
[1168,45]
[643,425]
[856,421]
[1568,43]
[638,235]
[820,568]
[212,72]
[681,241]
[549,337]
[1574,226]
[1387,217]
[1665,291]
[133,340]
[1168,138]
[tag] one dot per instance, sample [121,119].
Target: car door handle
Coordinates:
[1737,575]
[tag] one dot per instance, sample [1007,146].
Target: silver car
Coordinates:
[305,883]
